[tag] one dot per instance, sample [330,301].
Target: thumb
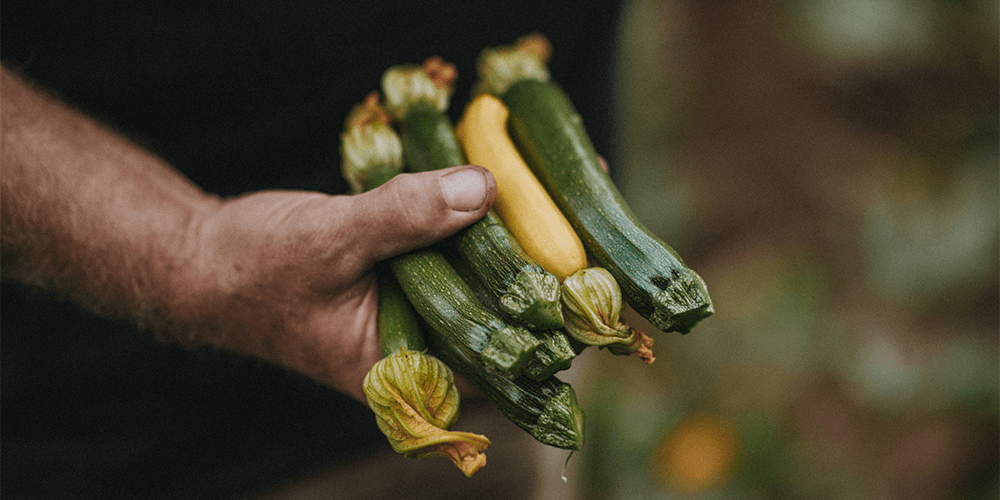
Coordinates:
[417,209]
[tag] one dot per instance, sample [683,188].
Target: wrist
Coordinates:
[192,291]
[233,283]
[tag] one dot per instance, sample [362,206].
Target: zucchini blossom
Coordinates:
[431,83]
[370,149]
[592,306]
[500,67]
[415,401]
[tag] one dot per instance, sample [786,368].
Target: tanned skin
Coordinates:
[285,276]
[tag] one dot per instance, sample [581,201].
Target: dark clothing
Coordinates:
[239,96]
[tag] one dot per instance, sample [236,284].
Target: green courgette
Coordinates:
[551,137]
[447,303]
[557,349]
[547,409]
[435,290]
[398,323]
[526,293]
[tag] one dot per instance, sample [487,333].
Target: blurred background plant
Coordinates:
[830,168]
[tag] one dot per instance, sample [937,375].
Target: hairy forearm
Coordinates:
[89,216]
[280,275]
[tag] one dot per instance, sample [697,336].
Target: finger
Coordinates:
[415,210]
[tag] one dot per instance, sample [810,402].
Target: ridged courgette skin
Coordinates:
[557,349]
[439,295]
[448,305]
[556,354]
[525,291]
[547,409]
[654,280]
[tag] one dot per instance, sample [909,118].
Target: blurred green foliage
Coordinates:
[831,169]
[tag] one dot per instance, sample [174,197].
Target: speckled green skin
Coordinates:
[429,141]
[398,324]
[654,280]
[557,352]
[525,292]
[547,409]
[439,295]
[448,305]
[558,349]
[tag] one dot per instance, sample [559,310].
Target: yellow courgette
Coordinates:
[521,201]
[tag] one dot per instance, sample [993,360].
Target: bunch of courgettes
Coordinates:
[550,136]
[509,301]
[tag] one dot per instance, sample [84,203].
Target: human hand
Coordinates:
[286,276]
[92,218]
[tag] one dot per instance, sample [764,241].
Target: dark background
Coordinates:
[239,96]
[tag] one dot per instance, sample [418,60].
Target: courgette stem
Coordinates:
[557,349]
[547,409]
[556,354]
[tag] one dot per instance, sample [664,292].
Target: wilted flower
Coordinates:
[371,151]
[592,306]
[409,84]
[415,401]
[500,67]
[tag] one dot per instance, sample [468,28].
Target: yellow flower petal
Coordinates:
[415,401]
[592,307]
